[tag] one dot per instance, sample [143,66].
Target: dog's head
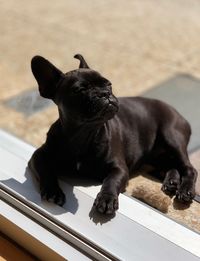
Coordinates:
[82,94]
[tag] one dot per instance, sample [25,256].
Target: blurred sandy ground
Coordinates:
[135,43]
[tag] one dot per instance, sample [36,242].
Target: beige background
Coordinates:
[134,43]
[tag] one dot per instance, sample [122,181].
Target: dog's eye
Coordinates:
[86,85]
[81,87]
[77,89]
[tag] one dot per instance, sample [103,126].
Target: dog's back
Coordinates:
[146,123]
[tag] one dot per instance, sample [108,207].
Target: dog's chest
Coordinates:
[90,167]
[78,165]
[84,165]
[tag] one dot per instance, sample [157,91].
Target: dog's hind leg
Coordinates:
[168,176]
[41,164]
[171,182]
[176,138]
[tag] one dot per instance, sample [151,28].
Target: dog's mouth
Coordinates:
[104,109]
[111,107]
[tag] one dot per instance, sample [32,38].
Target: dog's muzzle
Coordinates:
[110,107]
[102,109]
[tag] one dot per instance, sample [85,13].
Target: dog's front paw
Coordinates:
[106,203]
[52,193]
[185,193]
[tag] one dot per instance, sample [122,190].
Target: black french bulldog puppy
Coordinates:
[100,136]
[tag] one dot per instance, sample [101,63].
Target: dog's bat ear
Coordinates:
[47,76]
[83,63]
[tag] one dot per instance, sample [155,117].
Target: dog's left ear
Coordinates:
[83,63]
[47,76]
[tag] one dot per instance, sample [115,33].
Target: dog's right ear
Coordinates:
[83,63]
[47,76]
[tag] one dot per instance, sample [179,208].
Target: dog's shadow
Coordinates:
[94,215]
[27,191]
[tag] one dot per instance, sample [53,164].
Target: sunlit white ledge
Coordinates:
[137,232]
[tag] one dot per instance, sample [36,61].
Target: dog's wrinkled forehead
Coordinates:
[87,75]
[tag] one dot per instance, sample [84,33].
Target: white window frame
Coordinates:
[137,232]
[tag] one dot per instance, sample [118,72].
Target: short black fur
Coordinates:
[100,136]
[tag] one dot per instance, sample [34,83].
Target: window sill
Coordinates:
[137,232]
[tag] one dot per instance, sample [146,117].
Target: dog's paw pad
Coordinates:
[106,203]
